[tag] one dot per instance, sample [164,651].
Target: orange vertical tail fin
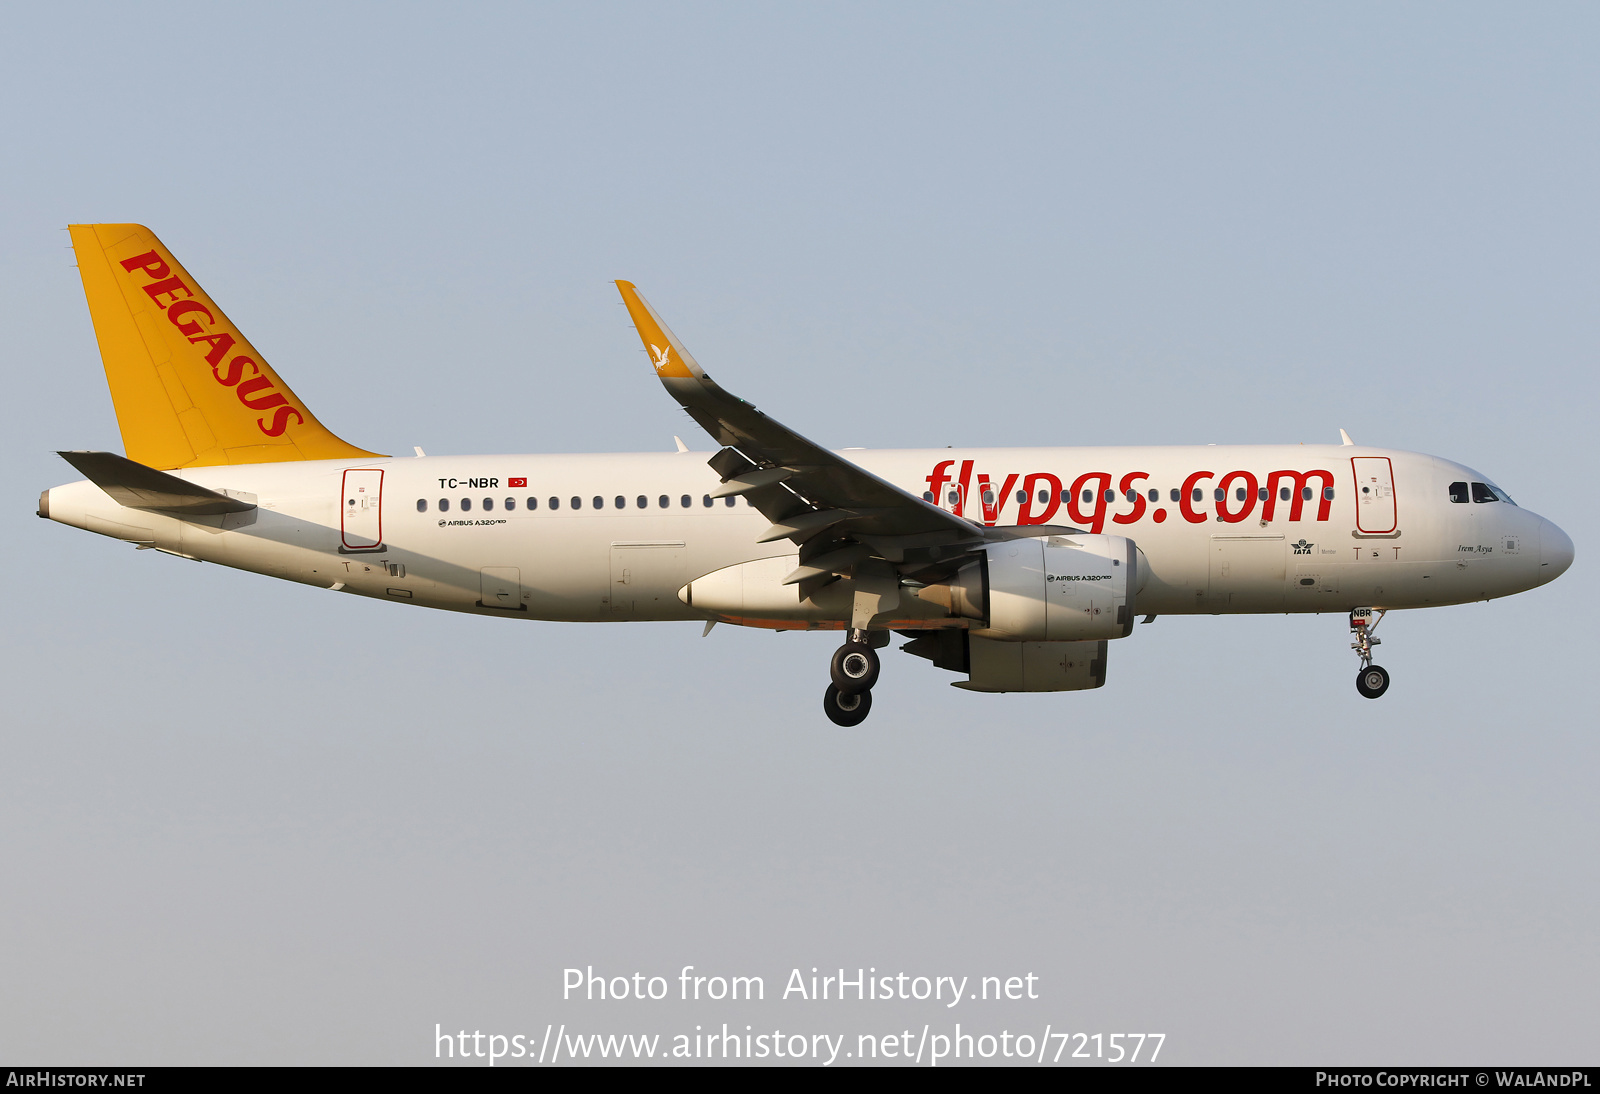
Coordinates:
[189,389]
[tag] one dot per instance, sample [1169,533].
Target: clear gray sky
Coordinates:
[246,821]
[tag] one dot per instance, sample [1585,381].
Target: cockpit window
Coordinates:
[1481,492]
[1458,493]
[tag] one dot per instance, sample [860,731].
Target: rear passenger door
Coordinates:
[360,510]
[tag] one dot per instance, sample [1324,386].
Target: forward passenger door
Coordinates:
[1376,513]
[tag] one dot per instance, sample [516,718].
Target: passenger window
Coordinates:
[577,503]
[466,505]
[1283,493]
[1218,493]
[1022,497]
[1481,493]
[1238,494]
[642,502]
[1458,493]
[511,503]
[927,495]
[1198,495]
[1044,497]
[1111,496]
[444,505]
[685,501]
[1327,493]
[622,502]
[1305,493]
[599,503]
[1088,497]
[730,501]
[533,503]
[1175,495]
[488,505]
[988,497]
[706,501]
[663,501]
[1133,495]
[555,503]
[1261,493]
[1155,495]
[422,505]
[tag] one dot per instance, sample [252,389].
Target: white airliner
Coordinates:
[1014,567]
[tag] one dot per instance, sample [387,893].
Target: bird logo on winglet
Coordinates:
[660,356]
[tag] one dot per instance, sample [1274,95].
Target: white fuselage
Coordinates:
[453,532]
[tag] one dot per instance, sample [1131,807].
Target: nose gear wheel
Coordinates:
[1372,681]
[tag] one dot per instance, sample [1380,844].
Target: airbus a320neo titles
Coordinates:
[1014,567]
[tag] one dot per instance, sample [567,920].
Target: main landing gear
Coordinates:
[1373,680]
[854,669]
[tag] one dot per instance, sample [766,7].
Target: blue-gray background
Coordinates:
[247,821]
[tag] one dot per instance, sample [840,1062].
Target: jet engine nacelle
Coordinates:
[1046,589]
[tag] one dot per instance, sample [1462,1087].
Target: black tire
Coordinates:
[854,667]
[1372,681]
[846,709]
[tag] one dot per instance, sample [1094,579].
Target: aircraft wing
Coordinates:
[840,513]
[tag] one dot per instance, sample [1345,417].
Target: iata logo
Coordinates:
[660,356]
[1302,548]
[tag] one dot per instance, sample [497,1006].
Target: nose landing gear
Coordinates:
[854,669]
[1373,680]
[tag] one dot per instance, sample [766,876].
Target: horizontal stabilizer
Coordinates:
[139,487]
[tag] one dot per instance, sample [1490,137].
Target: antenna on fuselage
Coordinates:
[1345,437]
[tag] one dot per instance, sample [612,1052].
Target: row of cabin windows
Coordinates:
[663,501]
[1460,493]
[1479,492]
[1198,494]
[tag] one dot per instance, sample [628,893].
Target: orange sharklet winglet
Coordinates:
[671,360]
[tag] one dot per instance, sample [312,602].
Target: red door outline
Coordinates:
[344,507]
[1394,500]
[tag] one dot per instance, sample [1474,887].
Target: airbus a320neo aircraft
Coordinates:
[1014,567]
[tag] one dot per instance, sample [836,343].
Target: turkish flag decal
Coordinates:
[517,482]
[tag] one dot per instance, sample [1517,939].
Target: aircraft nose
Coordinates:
[1555,551]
